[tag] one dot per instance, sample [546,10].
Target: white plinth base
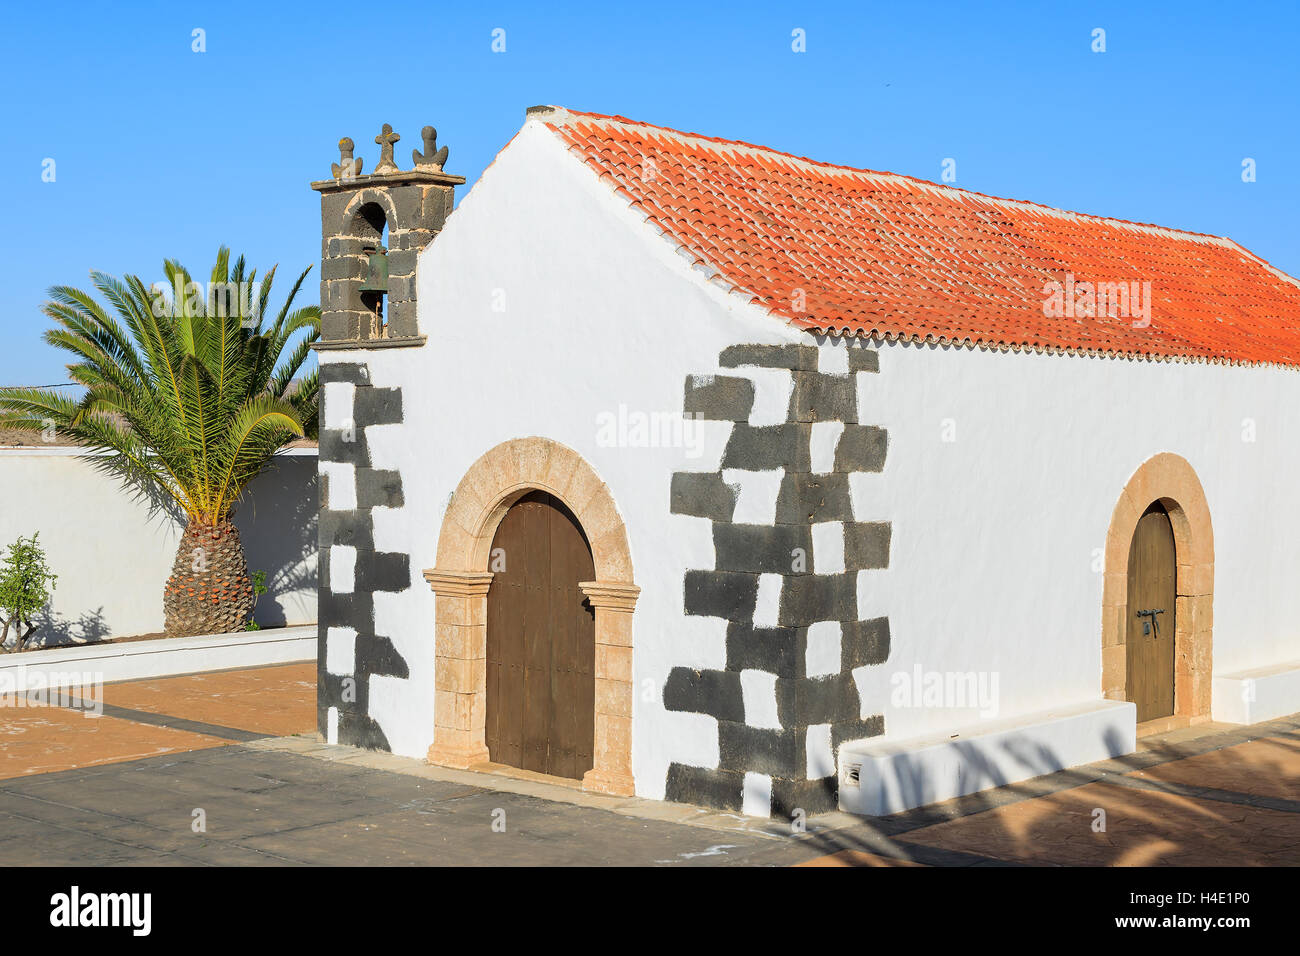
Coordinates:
[1252,696]
[880,776]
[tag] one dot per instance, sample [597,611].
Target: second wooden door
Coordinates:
[1152,596]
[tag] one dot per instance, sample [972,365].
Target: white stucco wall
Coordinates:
[113,552]
[997,534]
[548,303]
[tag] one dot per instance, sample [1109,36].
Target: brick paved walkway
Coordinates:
[240,746]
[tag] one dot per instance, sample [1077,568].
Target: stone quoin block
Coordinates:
[378,488]
[769,356]
[378,406]
[778,650]
[344,446]
[858,729]
[762,548]
[864,642]
[809,598]
[383,571]
[760,749]
[703,495]
[719,398]
[713,692]
[866,545]
[818,397]
[723,789]
[790,795]
[351,372]
[726,594]
[350,528]
[864,360]
[804,701]
[768,447]
[861,448]
[814,499]
[377,655]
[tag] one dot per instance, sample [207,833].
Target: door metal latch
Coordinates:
[1149,626]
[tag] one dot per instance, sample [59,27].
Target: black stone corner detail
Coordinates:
[810,596]
[374,572]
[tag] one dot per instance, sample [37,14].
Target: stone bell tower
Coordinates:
[373,228]
[367,288]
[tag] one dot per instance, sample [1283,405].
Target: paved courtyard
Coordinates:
[225,769]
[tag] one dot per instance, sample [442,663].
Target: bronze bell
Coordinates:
[376,271]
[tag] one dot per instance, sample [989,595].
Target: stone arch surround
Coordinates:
[1171,480]
[460,580]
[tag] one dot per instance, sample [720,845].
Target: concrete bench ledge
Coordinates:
[1258,694]
[882,776]
[163,657]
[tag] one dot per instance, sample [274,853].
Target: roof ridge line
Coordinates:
[557,114]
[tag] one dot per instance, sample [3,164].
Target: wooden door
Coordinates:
[1152,595]
[541,641]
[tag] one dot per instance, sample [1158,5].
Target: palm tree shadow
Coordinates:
[277,525]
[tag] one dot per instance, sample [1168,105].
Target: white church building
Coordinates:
[691,469]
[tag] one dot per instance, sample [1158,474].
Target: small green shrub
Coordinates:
[259,588]
[25,585]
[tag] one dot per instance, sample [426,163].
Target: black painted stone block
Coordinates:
[811,499]
[769,356]
[348,447]
[727,594]
[719,398]
[356,373]
[378,488]
[778,650]
[377,655]
[378,406]
[802,702]
[703,494]
[864,360]
[356,611]
[383,571]
[764,548]
[348,528]
[810,796]
[722,789]
[866,545]
[762,750]
[818,397]
[861,448]
[864,642]
[712,692]
[859,729]
[808,598]
[767,447]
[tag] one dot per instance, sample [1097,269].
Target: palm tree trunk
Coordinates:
[209,591]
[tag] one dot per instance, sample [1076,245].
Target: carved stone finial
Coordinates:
[346,167]
[432,156]
[386,139]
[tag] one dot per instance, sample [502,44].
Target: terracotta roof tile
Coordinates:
[855,252]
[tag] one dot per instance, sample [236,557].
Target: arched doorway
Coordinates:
[463,577]
[1152,615]
[1162,509]
[541,641]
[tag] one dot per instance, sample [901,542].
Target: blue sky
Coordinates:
[161,151]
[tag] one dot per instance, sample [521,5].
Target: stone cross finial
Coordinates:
[432,155]
[346,167]
[386,139]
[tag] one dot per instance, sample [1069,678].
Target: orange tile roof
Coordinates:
[889,256]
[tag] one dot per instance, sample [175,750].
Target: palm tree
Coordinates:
[188,395]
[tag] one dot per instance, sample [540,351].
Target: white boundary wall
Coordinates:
[113,552]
